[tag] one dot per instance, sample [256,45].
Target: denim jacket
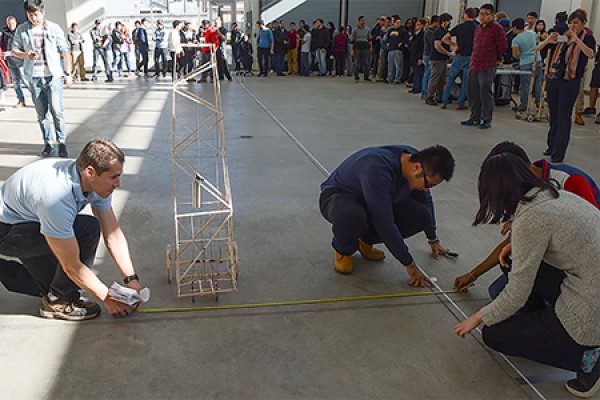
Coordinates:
[54,44]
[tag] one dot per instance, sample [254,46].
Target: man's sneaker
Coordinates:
[62,150]
[548,152]
[369,252]
[48,150]
[471,122]
[585,385]
[431,101]
[589,111]
[356,79]
[78,310]
[485,125]
[343,264]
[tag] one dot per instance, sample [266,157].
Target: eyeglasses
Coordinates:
[485,14]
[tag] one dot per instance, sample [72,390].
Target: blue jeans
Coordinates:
[526,83]
[125,61]
[561,97]
[158,55]
[278,61]
[305,63]
[460,66]
[17,78]
[99,53]
[321,61]
[394,65]
[117,62]
[426,75]
[47,94]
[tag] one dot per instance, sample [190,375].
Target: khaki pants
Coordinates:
[77,64]
[292,61]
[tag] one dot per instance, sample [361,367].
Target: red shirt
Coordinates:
[211,35]
[293,39]
[489,45]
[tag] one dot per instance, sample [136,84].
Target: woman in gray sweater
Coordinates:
[550,227]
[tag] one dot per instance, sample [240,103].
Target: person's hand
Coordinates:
[135,285]
[417,279]
[68,81]
[468,325]
[419,62]
[462,281]
[116,308]
[506,228]
[552,38]
[32,55]
[437,250]
[504,255]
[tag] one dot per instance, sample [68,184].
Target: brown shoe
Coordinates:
[579,119]
[78,310]
[20,104]
[369,252]
[343,264]
[443,106]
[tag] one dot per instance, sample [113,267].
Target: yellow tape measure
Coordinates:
[301,302]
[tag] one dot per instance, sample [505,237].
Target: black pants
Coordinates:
[222,67]
[562,95]
[340,61]
[348,215]
[535,332]
[39,271]
[144,62]
[361,62]
[263,60]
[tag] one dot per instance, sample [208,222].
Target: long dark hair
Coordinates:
[503,182]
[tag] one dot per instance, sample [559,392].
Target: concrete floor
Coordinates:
[381,349]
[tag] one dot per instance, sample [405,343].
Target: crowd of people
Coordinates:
[428,55]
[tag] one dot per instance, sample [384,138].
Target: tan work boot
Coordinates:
[343,264]
[369,252]
[579,119]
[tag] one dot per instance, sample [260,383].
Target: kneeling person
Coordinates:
[380,194]
[54,245]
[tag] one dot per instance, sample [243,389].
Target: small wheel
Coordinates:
[169,264]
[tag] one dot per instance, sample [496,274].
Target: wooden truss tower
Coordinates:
[203,260]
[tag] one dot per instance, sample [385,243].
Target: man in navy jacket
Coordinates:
[380,194]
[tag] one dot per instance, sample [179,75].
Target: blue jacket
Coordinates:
[375,173]
[265,39]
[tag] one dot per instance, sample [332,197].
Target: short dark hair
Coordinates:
[74,24]
[137,21]
[561,17]
[436,160]
[320,20]
[33,5]
[435,18]
[360,17]
[99,153]
[471,12]
[488,7]
[175,23]
[396,16]
[532,14]
[503,183]
[509,147]
[518,23]
[144,20]
[445,17]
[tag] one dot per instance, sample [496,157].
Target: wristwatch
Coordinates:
[130,278]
